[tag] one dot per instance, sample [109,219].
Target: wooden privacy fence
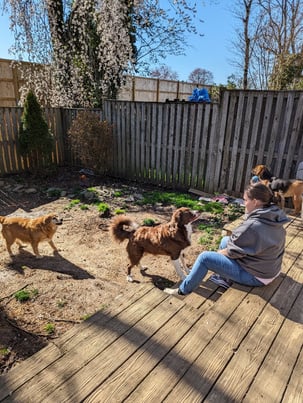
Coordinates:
[210,147]
[133,89]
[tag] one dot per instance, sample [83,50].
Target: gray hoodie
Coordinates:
[258,243]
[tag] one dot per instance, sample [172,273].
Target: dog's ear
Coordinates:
[48,219]
[182,216]
[258,169]
[177,215]
[262,172]
[265,174]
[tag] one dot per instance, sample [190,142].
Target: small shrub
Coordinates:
[91,141]
[103,208]
[35,140]
[49,328]
[149,222]
[22,295]
[54,192]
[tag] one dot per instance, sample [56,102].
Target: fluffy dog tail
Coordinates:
[122,228]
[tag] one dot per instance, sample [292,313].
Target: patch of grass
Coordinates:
[118,193]
[50,328]
[86,316]
[103,208]
[212,207]
[73,203]
[119,211]
[22,295]
[234,211]
[84,207]
[181,200]
[177,199]
[4,351]
[26,295]
[149,222]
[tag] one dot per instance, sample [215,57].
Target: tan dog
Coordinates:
[281,187]
[29,230]
[163,239]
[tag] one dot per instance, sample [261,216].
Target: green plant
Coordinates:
[177,199]
[91,141]
[84,207]
[234,211]
[103,208]
[119,211]
[22,295]
[54,192]
[117,193]
[4,351]
[25,295]
[35,140]
[61,303]
[86,316]
[73,203]
[149,222]
[49,328]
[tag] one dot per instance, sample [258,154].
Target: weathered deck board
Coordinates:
[244,344]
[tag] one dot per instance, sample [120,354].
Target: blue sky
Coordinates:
[210,52]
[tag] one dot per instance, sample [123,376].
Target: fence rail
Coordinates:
[210,147]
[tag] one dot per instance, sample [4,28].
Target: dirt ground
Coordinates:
[86,275]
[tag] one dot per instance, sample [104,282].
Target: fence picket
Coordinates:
[210,147]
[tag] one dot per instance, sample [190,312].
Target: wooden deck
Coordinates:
[244,344]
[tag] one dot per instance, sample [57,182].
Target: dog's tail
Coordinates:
[122,227]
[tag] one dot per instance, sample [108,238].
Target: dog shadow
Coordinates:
[56,263]
[206,290]
[158,281]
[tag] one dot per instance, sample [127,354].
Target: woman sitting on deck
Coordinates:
[252,255]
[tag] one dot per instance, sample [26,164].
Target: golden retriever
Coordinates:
[29,230]
[163,239]
[281,187]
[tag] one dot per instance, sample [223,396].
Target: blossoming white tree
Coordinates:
[79,50]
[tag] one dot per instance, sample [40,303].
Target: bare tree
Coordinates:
[269,46]
[244,41]
[201,76]
[164,72]
[282,39]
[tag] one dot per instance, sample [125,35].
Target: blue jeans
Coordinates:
[220,264]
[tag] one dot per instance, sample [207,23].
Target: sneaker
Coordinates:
[221,281]
[174,291]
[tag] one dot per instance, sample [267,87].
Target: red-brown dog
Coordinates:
[164,239]
[281,187]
